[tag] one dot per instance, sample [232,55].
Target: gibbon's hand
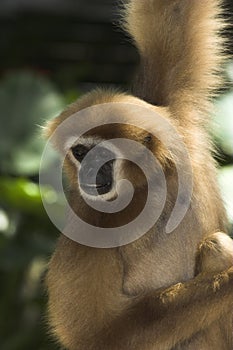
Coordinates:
[215,254]
[164,315]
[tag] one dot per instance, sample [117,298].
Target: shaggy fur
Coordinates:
[162,292]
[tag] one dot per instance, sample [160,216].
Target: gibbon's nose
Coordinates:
[96,173]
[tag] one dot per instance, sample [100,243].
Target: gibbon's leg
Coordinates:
[168,317]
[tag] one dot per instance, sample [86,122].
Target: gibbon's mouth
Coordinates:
[96,189]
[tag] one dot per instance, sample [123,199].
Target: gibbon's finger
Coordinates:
[168,313]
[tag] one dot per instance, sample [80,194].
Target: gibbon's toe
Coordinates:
[215,253]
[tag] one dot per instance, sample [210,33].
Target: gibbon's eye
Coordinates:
[148,139]
[79,152]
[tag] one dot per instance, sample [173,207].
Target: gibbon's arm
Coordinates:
[167,318]
[180,48]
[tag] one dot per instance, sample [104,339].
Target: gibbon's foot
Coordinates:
[215,253]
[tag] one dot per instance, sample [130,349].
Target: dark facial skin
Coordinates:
[91,183]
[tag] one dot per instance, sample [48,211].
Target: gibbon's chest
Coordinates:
[162,262]
[165,259]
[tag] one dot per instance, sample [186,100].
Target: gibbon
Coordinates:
[163,291]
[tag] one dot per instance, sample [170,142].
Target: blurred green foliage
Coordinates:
[27,237]
[226,185]
[223,130]
[34,100]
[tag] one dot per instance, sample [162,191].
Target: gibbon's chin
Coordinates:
[102,193]
[120,190]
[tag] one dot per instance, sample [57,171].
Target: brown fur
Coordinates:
[128,298]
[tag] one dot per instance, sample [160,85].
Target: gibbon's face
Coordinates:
[100,164]
[94,164]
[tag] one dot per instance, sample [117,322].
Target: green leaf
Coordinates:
[223,119]
[226,180]
[26,101]
[24,195]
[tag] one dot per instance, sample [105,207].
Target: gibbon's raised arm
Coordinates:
[169,317]
[180,48]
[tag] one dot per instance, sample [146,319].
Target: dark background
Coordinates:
[76,42]
[51,51]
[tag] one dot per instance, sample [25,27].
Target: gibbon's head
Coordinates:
[80,165]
